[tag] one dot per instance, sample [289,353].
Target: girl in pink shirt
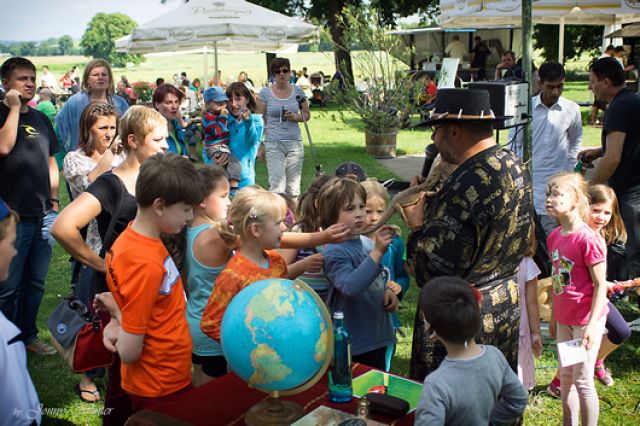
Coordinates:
[578,257]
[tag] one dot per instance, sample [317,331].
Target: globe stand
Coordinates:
[273,412]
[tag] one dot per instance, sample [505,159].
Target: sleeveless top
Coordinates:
[200,281]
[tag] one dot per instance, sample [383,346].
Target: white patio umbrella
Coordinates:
[503,13]
[226,25]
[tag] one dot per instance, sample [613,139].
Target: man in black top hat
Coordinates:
[476,227]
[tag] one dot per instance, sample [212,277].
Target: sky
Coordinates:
[32,20]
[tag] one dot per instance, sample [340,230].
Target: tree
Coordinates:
[65,43]
[98,40]
[577,39]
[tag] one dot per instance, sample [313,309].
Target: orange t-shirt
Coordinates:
[239,273]
[147,287]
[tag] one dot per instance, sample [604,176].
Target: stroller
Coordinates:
[317,90]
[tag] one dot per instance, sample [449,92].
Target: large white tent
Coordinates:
[226,25]
[505,13]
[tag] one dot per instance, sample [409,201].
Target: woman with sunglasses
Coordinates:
[283,144]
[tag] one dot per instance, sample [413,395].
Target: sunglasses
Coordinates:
[281,71]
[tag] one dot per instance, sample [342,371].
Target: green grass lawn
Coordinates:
[336,141]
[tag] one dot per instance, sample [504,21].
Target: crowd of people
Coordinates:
[154,226]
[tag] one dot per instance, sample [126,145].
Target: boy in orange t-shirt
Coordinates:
[149,328]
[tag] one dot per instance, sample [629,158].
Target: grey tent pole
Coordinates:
[527,32]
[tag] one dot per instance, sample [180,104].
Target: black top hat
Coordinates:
[461,105]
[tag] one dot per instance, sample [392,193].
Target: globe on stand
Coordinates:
[277,336]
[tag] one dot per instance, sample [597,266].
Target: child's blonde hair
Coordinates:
[139,121]
[615,231]
[254,204]
[575,184]
[375,189]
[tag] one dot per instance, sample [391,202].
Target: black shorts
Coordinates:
[214,366]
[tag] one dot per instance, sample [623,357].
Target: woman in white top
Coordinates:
[98,151]
[279,104]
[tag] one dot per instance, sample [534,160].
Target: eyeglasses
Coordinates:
[281,71]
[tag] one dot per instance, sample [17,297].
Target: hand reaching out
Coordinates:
[313,263]
[336,233]
[536,344]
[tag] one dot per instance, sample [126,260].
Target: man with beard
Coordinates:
[476,227]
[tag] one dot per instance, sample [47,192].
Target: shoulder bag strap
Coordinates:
[108,236]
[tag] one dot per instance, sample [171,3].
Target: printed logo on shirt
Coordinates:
[560,272]
[30,132]
[170,277]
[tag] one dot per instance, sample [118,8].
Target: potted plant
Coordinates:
[143,91]
[384,92]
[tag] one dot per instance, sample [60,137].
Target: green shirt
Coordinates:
[49,109]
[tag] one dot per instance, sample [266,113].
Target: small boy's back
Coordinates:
[475,391]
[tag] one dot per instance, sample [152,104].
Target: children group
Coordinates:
[179,233]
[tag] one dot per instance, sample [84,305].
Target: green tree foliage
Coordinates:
[65,43]
[578,39]
[99,39]
[388,98]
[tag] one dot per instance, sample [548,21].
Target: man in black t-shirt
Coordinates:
[620,151]
[479,56]
[29,185]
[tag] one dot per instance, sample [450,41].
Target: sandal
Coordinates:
[93,393]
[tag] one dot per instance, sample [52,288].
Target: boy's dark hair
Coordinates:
[619,49]
[334,196]
[170,177]
[14,63]
[451,309]
[159,81]
[240,89]
[608,68]
[551,71]
[278,63]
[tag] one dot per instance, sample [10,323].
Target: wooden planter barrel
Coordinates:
[381,145]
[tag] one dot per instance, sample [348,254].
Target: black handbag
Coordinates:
[74,315]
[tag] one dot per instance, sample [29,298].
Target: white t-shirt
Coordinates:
[19,404]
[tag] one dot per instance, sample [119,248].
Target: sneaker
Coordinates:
[39,347]
[554,388]
[603,375]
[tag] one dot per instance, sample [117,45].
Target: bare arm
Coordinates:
[129,346]
[261,108]
[598,275]
[332,235]
[66,230]
[533,310]
[9,132]
[102,167]
[54,177]
[611,159]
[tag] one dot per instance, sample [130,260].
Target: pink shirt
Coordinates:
[571,256]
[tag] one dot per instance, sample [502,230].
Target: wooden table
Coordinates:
[224,401]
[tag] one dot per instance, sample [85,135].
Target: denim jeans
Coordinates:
[630,211]
[21,292]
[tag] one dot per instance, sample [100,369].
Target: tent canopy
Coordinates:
[629,31]
[478,13]
[235,25]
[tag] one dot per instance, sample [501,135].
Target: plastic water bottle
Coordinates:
[340,389]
